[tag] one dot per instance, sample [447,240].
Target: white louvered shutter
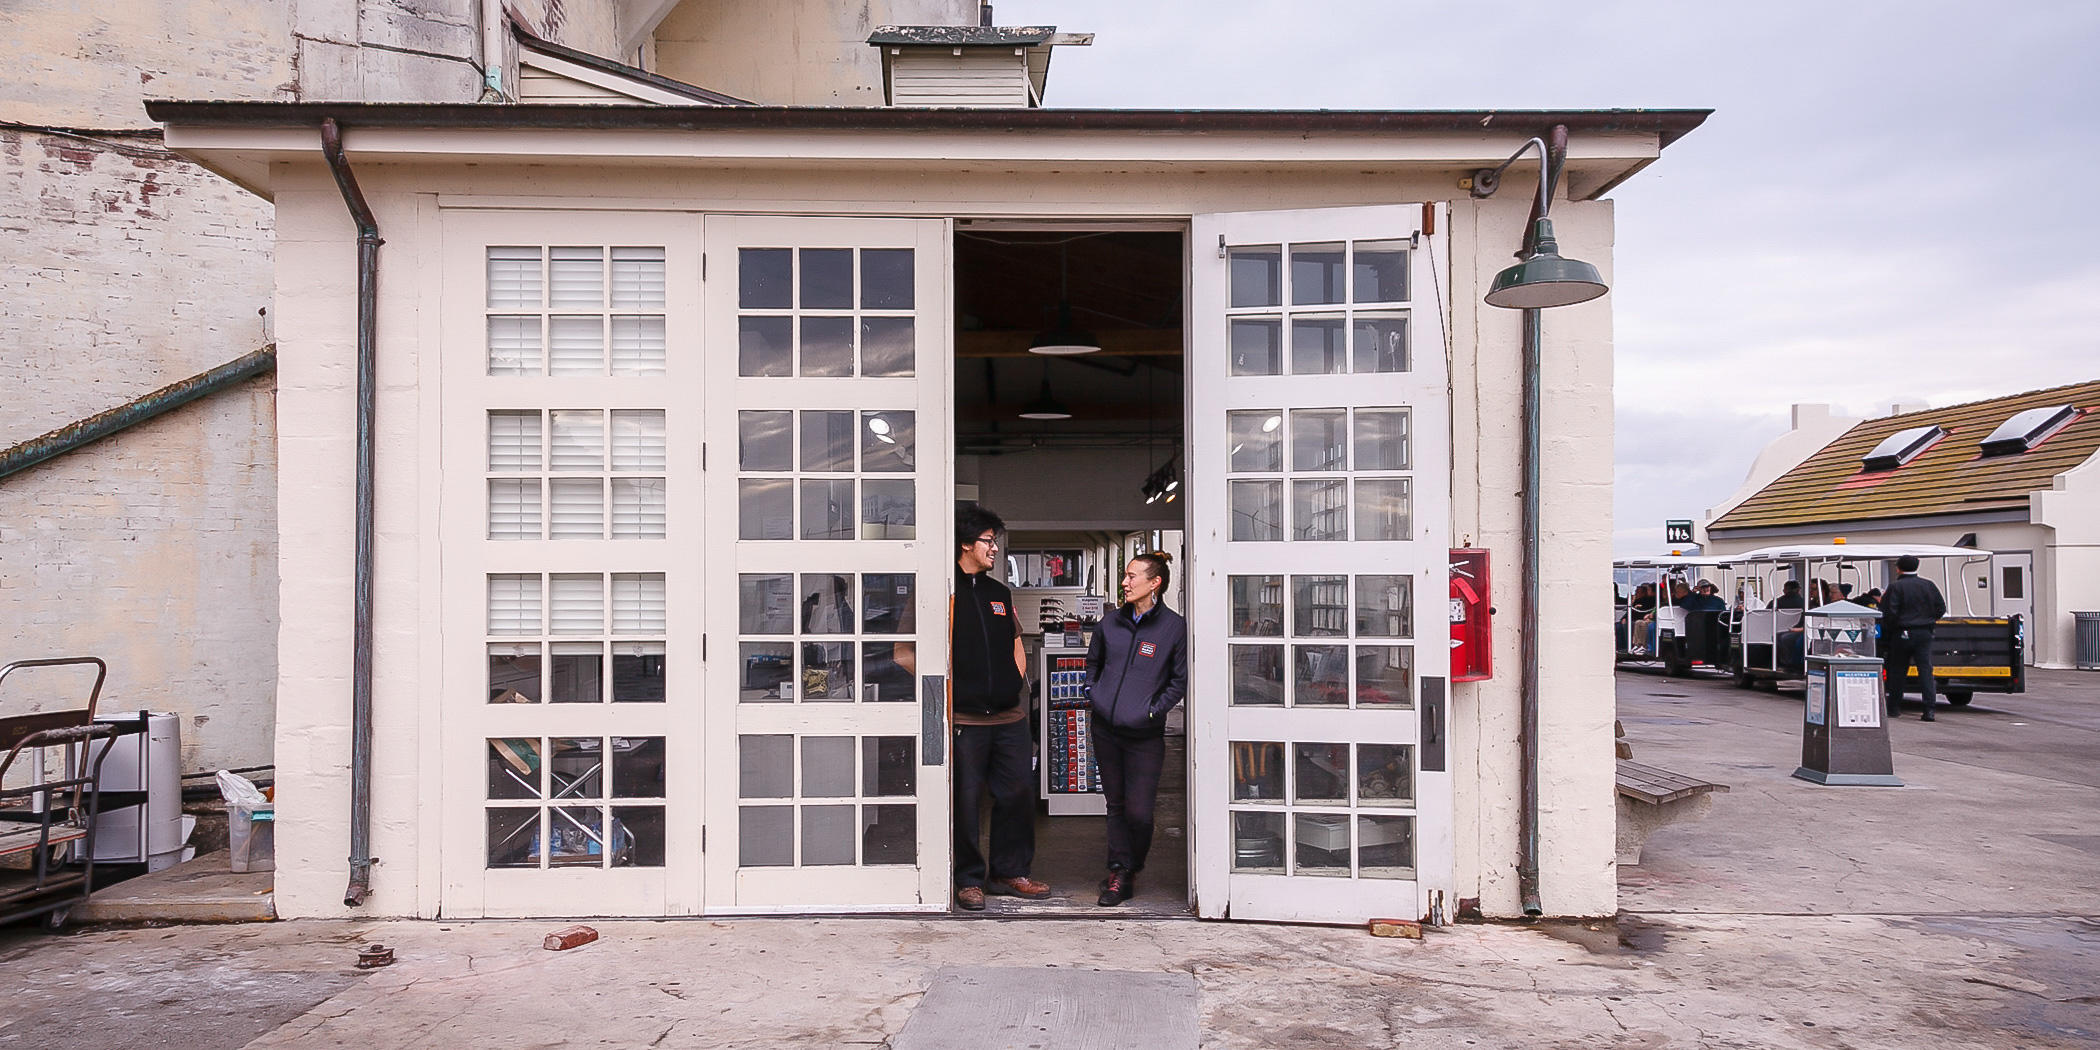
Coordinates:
[638,604]
[576,345]
[514,604]
[577,604]
[514,278]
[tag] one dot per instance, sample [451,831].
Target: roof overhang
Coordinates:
[240,140]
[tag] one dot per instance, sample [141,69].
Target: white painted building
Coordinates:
[600,330]
[2014,475]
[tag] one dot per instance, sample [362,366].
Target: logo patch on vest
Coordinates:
[1147,649]
[998,608]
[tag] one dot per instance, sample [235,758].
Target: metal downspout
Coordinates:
[79,434]
[1528,714]
[368,242]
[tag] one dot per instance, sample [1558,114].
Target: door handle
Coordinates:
[1433,703]
[933,718]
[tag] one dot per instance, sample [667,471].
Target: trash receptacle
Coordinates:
[2087,643]
[251,837]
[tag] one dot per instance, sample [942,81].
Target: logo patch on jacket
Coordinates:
[1147,649]
[998,608]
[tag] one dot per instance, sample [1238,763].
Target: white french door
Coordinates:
[569,515]
[1319,497]
[828,507]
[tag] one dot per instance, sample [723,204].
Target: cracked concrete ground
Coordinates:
[1958,911]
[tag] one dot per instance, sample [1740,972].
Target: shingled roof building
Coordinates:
[2012,475]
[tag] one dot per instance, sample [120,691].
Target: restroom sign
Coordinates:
[1677,531]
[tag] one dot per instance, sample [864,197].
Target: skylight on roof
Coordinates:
[1901,447]
[2027,429]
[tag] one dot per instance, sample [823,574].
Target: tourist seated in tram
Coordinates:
[1790,641]
[1789,596]
[1644,629]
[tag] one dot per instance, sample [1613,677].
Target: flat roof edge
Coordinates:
[1668,125]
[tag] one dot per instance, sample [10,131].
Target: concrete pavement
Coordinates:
[1959,911]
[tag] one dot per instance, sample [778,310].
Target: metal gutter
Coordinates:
[82,433]
[368,242]
[1668,124]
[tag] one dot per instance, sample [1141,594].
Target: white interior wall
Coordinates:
[316,293]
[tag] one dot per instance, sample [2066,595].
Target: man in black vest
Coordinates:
[994,749]
[1909,610]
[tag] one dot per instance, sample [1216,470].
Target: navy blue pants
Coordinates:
[1130,769]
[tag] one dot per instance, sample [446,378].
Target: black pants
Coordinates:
[995,759]
[1130,779]
[1911,648]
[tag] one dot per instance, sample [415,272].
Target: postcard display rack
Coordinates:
[1070,781]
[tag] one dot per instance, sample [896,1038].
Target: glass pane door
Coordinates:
[1319,519]
[568,716]
[828,502]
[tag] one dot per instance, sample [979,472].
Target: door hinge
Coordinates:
[703,648]
[1221,246]
[703,266]
[703,455]
[703,838]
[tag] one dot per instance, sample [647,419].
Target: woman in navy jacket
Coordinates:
[1137,669]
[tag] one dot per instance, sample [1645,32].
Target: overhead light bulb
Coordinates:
[1269,425]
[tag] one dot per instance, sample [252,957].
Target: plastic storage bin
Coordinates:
[251,834]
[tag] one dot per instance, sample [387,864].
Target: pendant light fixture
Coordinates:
[1044,406]
[1064,338]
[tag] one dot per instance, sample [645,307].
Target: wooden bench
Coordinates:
[1650,798]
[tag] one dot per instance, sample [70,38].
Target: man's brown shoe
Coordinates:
[1019,886]
[969,898]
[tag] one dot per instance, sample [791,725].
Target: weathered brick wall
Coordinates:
[127,269]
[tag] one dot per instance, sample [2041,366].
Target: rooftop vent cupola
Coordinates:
[1901,447]
[990,67]
[2027,429]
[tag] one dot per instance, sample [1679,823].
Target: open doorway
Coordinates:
[1080,453]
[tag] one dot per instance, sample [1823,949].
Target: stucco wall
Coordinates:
[315,252]
[1577,871]
[791,52]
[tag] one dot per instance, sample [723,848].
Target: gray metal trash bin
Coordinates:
[2088,640]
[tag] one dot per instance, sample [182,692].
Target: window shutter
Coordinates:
[514,508]
[514,604]
[579,439]
[576,346]
[514,442]
[576,278]
[578,604]
[638,346]
[514,346]
[638,604]
[638,278]
[577,508]
[637,440]
[638,508]
[514,278]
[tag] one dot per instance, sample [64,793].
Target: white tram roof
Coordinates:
[1674,561]
[1858,552]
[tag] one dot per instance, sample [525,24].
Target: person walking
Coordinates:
[1909,609]
[1137,670]
[994,750]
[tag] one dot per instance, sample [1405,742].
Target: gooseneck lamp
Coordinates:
[1542,279]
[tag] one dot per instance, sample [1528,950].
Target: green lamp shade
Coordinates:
[1545,280]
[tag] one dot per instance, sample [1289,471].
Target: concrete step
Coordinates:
[198,890]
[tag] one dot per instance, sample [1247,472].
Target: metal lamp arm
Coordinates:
[1487,180]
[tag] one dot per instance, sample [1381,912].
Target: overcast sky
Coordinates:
[1902,195]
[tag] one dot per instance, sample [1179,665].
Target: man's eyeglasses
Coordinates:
[989,541]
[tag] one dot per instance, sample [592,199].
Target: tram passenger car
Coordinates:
[1971,654]
[1654,626]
